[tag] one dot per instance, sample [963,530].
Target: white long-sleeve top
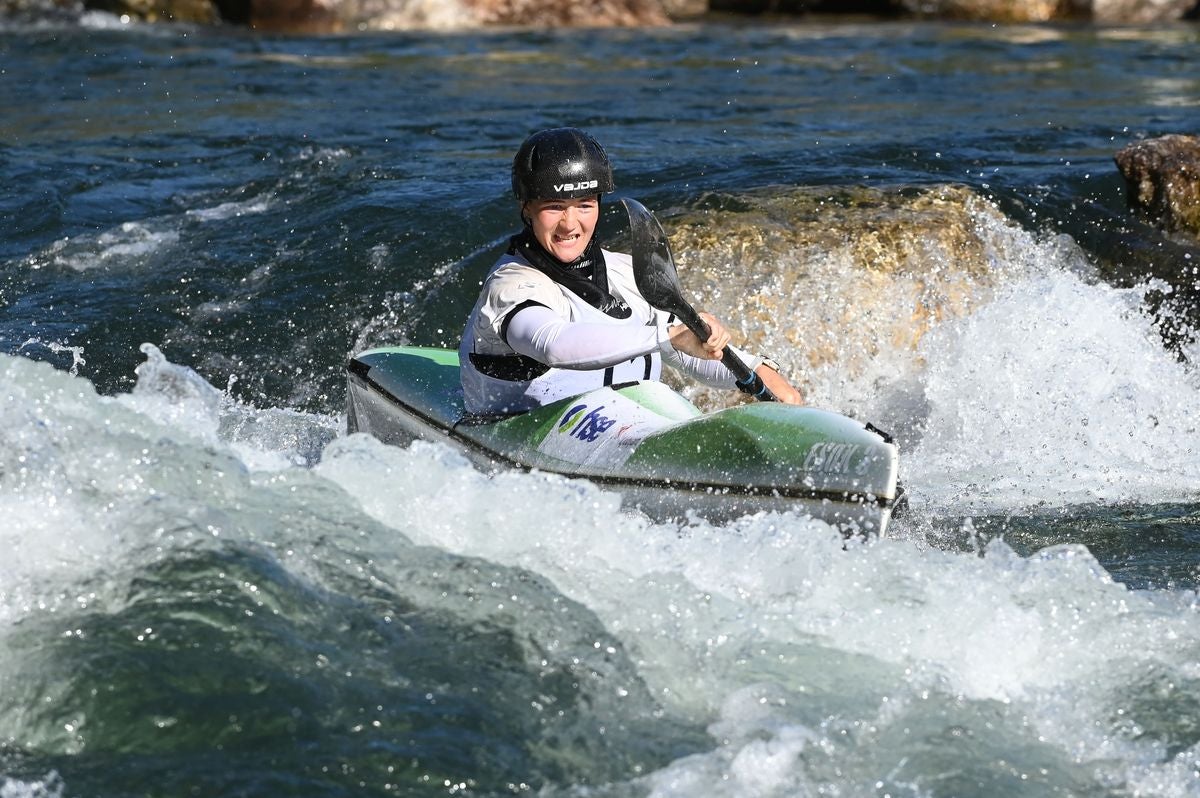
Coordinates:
[530,341]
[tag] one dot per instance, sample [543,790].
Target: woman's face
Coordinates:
[564,226]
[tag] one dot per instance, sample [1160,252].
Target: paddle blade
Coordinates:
[653,267]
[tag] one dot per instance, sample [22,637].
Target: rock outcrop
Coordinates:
[202,12]
[1103,11]
[308,16]
[555,13]
[338,15]
[986,10]
[1123,12]
[460,14]
[1140,12]
[1162,176]
[341,15]
[838,280]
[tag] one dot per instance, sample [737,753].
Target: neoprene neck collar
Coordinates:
[586,276]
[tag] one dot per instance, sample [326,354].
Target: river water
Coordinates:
[207,588]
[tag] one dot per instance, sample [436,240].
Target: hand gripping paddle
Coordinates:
[658,281]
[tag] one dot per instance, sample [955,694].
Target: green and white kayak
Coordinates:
[644,440]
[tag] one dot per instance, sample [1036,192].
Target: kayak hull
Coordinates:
[645,441]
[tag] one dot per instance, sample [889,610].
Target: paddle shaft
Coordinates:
[747,380]
[658,282]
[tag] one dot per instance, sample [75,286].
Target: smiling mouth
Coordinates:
[567,239]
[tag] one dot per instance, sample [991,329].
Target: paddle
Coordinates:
[658,281]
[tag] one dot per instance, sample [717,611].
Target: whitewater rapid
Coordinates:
[809,660]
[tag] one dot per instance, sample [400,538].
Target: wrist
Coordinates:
[771,364]
[665,337]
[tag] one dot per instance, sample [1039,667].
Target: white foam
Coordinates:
[230,210]
[63,454]
[129,244]
[756,624]
[104,20]
[270,439]
[79,472]
[1056,392]
[134,244]
[50,787]
[76,352]
[804,654]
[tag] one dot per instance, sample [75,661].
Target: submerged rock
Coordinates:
[1162,176]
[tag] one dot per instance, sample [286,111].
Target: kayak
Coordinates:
[645,441]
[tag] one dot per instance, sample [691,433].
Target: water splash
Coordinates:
[49,787]
[76,352]
[1056,392]
[813,664]
[129,245]
[816,665]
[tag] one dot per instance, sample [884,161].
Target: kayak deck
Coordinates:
[644,440]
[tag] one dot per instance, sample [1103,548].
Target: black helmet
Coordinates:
[560,163]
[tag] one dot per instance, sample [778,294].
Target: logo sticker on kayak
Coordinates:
[589,427]
[829,457]
[600,429]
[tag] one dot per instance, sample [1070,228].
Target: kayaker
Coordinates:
[558,315]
